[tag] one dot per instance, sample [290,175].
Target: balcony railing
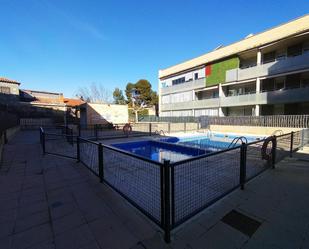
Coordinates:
[281,66]
[270,97]
[205,103]
[189,85]
[294,95]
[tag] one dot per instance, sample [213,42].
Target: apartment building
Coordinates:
[263,74]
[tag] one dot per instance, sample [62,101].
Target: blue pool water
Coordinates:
[158,151]
[180,148]
[217,141]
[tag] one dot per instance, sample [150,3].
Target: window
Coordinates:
[295,50]
[268,85]
[292,81]
[5,90]
[280,54]
[179,81]
[269,57]
[305,80]
[196,76]
[279,83]
[306,47]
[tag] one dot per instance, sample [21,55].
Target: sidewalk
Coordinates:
[52,202]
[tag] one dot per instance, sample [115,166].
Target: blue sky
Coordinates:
[61,45]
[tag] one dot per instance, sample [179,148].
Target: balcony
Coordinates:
[195,104]
[272,97]
[189,85]
[281,66]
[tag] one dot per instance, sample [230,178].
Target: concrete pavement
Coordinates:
[53,202]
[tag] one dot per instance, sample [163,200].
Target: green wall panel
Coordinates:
[218,71]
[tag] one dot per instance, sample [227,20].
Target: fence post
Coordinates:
[185,126]
[173,194]
[302,138]
[5,137]
[291,144]
[96,132]
[273,152]
[150,129]
[79,130]
[43,143]
[40,136]
[169,128]
[243,160]
[162,194]
[101,171]
[167,214]
[78,148]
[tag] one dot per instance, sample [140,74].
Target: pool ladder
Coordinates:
[161,132]
[236,139]
[277,132]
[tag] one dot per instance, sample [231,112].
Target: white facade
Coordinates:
[269,79]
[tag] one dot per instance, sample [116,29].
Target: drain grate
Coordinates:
[241,222]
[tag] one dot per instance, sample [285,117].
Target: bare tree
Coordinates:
[95,93]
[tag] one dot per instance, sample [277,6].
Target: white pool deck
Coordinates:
[53,202]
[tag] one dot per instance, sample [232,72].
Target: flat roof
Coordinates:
[291,28]
[35,91]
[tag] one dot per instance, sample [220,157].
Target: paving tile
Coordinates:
[33,208]
[6,242]
[75,238]
[8,215]
[155,242]
[32,237]
[220,236]
[91,245]
[30,221]
[140,226]
[112,234]
[60,194]
[190,231]
[49,244]
[8,204]
[28,199]
[6,228]
[68,222]
[60,209]
[276,235]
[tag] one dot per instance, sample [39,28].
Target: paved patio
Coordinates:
[53,202]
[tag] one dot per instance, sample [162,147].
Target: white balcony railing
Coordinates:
[295,95]
[205,103]
[189,85]
[287,65]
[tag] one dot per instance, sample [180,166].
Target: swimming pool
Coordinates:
[211,141]
[160,151]
[179,148]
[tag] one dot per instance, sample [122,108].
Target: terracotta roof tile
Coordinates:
[2,79]
[73,102]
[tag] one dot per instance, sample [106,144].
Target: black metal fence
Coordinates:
[171,193]
[99,132]
[296,121]
[184,119]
